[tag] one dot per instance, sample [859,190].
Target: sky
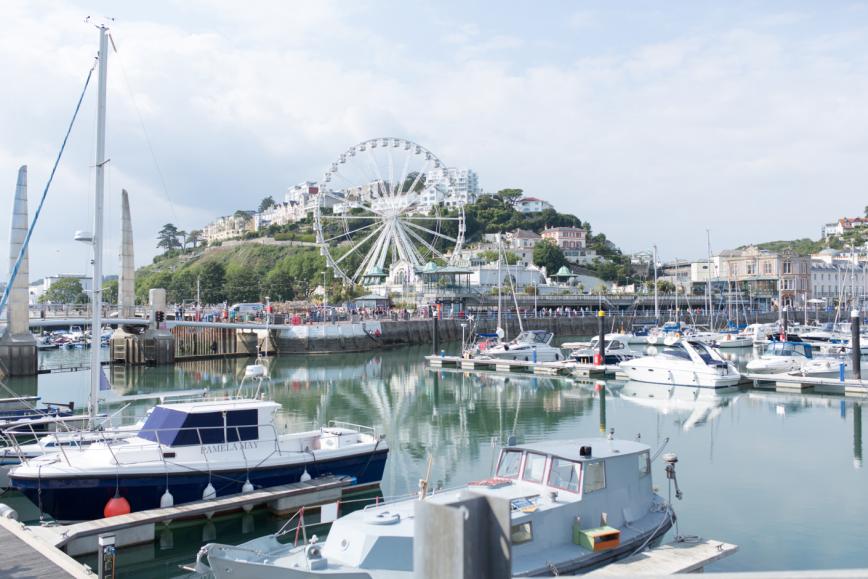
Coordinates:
[653,121]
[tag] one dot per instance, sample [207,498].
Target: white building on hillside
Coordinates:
[453,186]
[228,227]
[532,205]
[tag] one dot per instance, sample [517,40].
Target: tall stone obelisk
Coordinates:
[17,345]
[127,281]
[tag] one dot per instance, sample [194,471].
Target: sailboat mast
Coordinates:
[656,302]
[499,288]
[96,298]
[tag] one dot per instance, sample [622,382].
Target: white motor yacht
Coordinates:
[615,348]
[528,346]
[560,492]
[686,363]
[781,357]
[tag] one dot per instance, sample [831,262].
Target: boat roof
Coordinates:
[569,449]
[203,406]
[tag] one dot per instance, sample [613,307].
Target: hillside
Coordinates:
[802,246]
[250,271]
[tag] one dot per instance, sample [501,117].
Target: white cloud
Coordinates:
[736,129]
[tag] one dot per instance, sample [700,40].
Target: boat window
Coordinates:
[677,351]
[616,345]
[595,476]
[176,428]
[510,461]
[522,533]
[564,474]
[534,467]
[644,464]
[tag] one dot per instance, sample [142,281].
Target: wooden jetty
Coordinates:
[688,556]
[562,368]
[140,527]
[847,387]
[24,555]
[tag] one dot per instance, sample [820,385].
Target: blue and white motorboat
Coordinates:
[575,505]
[195,450]
[781,357]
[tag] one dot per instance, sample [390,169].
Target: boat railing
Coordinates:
[360,428]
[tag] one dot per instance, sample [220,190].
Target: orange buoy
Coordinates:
[117,505]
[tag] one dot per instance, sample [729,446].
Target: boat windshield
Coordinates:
[176,428]
[703,352]
[564,475]
[534,337]
[677,351]
[510,461]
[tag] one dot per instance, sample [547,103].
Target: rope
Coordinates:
[36,213]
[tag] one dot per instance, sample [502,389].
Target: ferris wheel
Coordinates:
[385,201]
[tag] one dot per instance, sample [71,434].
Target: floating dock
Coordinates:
[688,556]
[140,527]
[25,555]
[562,368]
[847,387]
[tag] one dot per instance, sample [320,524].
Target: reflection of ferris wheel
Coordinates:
[376,208]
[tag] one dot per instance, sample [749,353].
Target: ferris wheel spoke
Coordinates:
[419,174]
[430,247]
[356,246]
[406,249]
[434,218]
[432,232]
[403,176]
[348,233]
[372,255]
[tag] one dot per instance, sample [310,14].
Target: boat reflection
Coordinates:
[693,406]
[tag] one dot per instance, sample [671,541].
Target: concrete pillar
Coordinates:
[127,280]
[17,345]
[469,538]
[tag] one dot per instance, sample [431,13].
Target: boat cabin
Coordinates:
[535,337]
[788,349]
[210,422]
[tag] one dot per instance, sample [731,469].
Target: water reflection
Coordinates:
[740,450]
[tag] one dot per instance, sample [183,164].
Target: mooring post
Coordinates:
[436,336]
[106,557]
[855,345]
[601,346]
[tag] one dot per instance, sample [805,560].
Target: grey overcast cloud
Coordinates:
[652,121]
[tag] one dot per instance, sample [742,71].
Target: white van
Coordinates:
[244,309]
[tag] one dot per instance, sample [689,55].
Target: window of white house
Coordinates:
[595,476]
[534,467]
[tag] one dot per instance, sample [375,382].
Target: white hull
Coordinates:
[734,342]
[525,355]
[678,376]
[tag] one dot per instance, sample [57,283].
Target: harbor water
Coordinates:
[779,474]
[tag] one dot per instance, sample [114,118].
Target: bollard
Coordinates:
[534,355]
[841,368]
[855,345]
[107,557]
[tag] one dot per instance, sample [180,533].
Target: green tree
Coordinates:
[490,256]
[66,290]
[547,254]
[212,276]
[194,238]
[167,238]
[110,292]
[240,285]
[411,179]
[266,203]
[509,196]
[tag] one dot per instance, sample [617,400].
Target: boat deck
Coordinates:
[563,368]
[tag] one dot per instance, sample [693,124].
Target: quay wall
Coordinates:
[199,343]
